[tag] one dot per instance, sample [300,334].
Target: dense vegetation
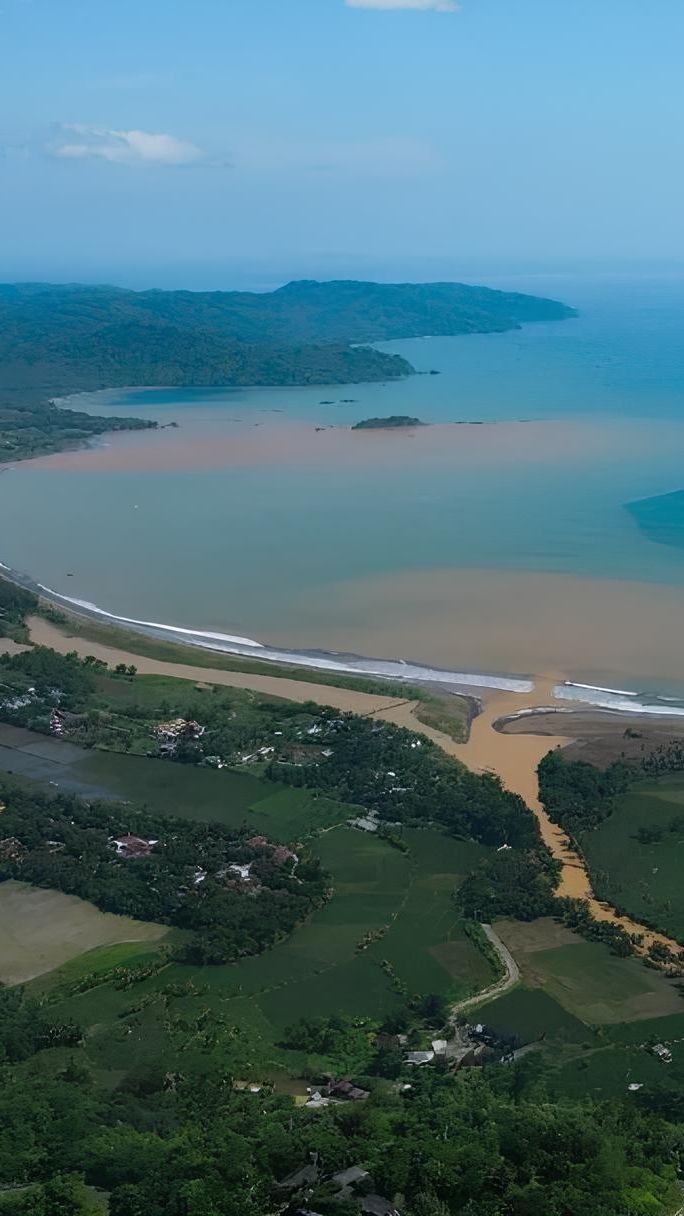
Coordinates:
[403,777]
[511,883]
[577,795]
[56,340]
[392,423]
[391,772]
[613,817]
[491,1143]
[15,605]
[185,879]
[30,426]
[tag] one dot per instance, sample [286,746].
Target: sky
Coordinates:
[219,143]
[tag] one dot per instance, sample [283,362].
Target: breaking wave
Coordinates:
[226,643]
[618,699]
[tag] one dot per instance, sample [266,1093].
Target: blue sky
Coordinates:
[198,142]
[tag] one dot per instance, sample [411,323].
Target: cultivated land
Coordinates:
[584,977]
[513,759]
[594,1015]
[322,970]
[643,876]
[42,930]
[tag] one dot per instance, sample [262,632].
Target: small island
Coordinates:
[385,424]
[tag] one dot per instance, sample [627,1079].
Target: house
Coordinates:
[377,1205]
[439,1046]
[317,1100]
[419,1058]
[347,1089]
[241,871]
[11,849]
[350,1177]
[306,1176]
[170,734]
[662,1052]
[131,847]
[279,852]
[364,823]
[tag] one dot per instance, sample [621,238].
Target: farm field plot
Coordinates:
[624,1059]
[319,971]
[426,944]
[227,797]
[584,977]
[43,929]
[533,1016]
[640,875]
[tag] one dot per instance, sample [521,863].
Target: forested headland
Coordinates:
[57,340]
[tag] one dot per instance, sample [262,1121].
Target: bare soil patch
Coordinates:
[42,929]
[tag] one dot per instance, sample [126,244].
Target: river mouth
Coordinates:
[494,541]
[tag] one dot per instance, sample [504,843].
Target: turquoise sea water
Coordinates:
[239,548]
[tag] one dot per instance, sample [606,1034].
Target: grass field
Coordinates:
[576,995]
[644,879]
[226,797]
[41,930]
[585,978]
[533,1015]
[319,971]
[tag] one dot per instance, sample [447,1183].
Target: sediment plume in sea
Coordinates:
[226,643]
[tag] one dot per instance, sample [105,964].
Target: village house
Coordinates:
[241,872]
[170,734]
[348,1091]
[279,852]
[132,847]
[419,1058]
[11,849]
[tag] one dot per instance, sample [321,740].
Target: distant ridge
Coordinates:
[65,338]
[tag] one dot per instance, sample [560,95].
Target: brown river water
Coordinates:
[514,758]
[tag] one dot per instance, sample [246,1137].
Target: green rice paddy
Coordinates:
[645,879]
[322,970]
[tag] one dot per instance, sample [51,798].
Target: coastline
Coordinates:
[512,757]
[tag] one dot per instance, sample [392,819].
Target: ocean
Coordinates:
[544,534]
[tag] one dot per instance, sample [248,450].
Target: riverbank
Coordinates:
[514,758]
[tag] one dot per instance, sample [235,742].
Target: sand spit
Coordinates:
[43,633]
[513,757]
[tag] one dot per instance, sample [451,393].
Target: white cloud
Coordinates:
[434,6]
[79,142]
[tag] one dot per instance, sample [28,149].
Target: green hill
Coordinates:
[61,339]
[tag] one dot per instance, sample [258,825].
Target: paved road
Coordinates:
[507,981]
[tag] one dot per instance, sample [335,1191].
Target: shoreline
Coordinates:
[512,757]
[235,646]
